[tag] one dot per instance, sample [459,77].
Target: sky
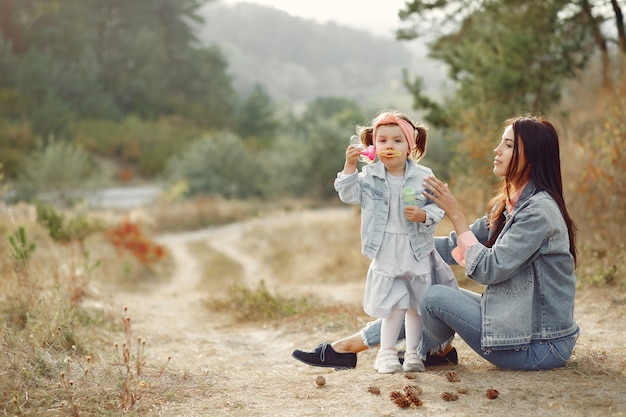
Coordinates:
[379,17]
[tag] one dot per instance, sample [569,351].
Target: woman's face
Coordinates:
[504,153]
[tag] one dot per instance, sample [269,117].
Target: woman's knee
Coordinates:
[433,296]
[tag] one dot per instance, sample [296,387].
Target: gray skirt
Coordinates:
[385,294]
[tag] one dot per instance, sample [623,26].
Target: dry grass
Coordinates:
[51,358]
[59,357]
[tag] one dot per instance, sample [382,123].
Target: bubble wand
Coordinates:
[367,154]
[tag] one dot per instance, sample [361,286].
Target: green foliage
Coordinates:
[345,112]
[323,154]
[16,140]
[301,163]
[257,117]
[217,164]
[61,170]
[22,249]
[76,229]
[140,57]
[304,162]
[134,142]
[506,58]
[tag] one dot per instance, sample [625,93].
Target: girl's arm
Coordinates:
[347,183]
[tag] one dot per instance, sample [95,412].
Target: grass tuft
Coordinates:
[259,304]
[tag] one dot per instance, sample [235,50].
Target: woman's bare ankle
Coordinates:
[352,344]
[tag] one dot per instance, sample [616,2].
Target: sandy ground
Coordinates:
[221,369]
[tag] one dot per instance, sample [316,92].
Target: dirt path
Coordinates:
[227,370]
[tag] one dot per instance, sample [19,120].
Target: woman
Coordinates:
[523,251]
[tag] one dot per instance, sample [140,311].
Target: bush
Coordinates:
[58,172]
[145,145]
[217,164]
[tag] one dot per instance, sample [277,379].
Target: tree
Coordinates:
[93,59]
[154,65]
[507,51]
[257,119]
[505,57]
[508,57]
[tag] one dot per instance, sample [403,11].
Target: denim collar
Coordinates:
[529,190]
[410,169]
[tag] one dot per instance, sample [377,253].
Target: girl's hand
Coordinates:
[414,214]
[352,156]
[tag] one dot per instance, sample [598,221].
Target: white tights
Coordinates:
[390,329]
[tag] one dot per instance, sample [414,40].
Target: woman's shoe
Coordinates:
[450,358]
[325,356]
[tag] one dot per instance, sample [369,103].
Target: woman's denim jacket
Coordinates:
[369,188]
[529,274]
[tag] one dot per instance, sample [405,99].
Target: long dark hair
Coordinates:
[539,142]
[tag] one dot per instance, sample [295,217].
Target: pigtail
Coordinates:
[366,134]
[421,136]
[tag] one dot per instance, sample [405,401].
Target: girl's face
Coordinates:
[504,153]
[390,138]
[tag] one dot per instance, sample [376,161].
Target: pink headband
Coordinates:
[407,128]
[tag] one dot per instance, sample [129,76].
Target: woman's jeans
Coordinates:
[446,311]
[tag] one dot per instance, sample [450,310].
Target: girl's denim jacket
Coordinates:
[369,189]
[529,274]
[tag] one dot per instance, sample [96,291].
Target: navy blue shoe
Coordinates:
[450,358]
[326,357]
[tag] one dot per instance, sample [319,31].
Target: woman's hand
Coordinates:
[443,197]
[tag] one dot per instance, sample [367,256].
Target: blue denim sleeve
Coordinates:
[445,244]
[348,187]
[516,246]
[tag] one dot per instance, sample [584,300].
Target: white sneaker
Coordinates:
[412,362]
[387,362]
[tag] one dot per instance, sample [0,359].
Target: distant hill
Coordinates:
[297,59]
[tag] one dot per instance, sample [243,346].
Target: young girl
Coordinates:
[398,238]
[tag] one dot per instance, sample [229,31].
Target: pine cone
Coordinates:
[399,399]
[373,390]
[395,394]
[412,394]
[492,394]
[416,389]
[449,396]
[452,376]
